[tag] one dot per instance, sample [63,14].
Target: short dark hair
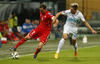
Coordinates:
[75,6]
[43,5]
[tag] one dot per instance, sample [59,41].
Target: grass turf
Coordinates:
[89,55]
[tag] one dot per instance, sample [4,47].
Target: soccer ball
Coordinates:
[15,55]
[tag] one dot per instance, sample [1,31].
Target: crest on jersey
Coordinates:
[50,14]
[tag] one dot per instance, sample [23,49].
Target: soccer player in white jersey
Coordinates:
[70,27]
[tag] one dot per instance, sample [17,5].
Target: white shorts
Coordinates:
[71,31]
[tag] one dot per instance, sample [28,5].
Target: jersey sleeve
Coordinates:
[24,27]
[82,17]
[50,15]
[65,12]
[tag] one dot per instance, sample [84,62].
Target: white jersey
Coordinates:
[72,21]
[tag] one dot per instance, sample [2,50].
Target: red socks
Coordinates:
[21,42]
[37,51]
[13,35]
[7,35]
[18,35]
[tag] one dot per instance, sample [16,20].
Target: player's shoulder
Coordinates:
[48,13]
[15,17]
[24,24]
[66,11]
[80,13]
[30,23]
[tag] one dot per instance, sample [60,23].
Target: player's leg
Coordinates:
[14,29]
[6,34]
[61,43]
[75,47]
[17,33]
[70,40]
[20,42]
[32,34]
[74,37]
[38,49]
[23,40]
[43,41]
[13,35]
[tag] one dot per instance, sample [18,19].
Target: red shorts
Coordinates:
[36,33]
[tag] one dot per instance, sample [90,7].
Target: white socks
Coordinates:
[75,47]
[61,43]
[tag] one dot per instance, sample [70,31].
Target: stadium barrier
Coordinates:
[4,40]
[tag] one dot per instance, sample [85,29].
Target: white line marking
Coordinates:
[51,51]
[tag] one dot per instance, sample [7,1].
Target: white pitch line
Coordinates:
[50,51]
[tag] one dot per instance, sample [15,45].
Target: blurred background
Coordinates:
[30,9]
[15,13]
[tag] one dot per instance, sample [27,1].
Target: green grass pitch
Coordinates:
[88,53]
[86,56]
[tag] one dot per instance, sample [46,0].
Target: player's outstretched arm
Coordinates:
[93,31]
[57,15]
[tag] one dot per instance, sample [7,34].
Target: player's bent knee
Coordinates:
[64,38]
[27,37]
[40,45]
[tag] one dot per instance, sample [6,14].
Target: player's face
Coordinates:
[73,11]
[28,21]
[2,23]
[11,16]
[6,22]
[42,10]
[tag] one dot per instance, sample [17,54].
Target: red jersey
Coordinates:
[46,21]
[43,30]
[4,27]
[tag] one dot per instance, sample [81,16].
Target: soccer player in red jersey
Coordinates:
[42,31]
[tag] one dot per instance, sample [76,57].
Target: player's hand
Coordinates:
[54,25]
[94,32]
[54,20]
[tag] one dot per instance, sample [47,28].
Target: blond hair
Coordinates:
[75,5]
